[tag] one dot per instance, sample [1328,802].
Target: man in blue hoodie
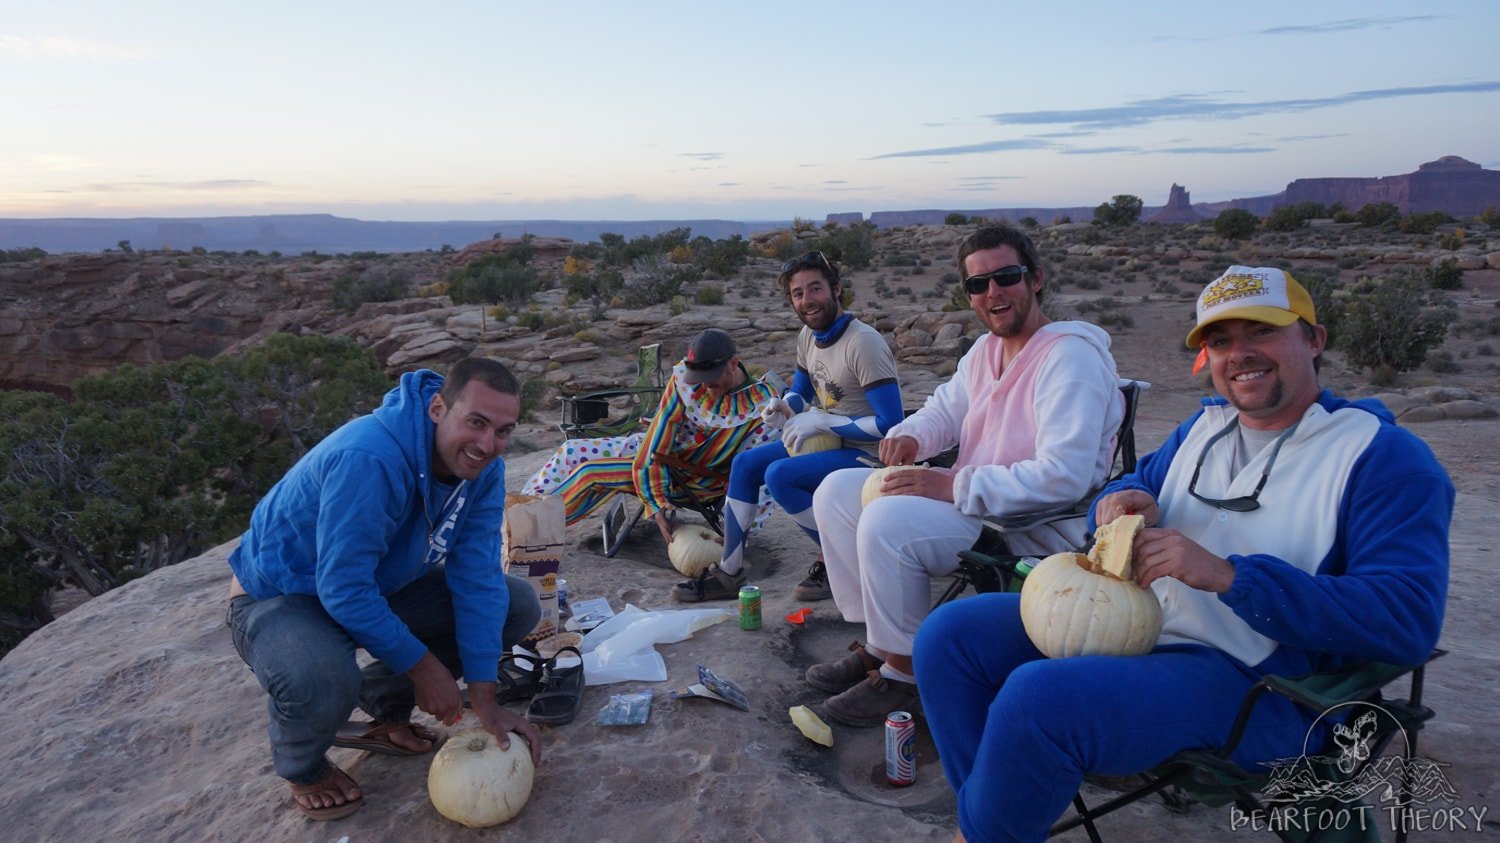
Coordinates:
[386,537]
[1288,531]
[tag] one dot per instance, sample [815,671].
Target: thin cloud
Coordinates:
[835,181]
[702,156]
[1212,150]
[987,178]
[54,47]
[1098,150]
[1345,25]
[210,184]
[968,149]
[1295,138]
[729,184]
[1201,106]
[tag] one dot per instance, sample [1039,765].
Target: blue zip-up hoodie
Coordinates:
[360,517]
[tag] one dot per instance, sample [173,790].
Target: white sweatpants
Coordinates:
[881,559]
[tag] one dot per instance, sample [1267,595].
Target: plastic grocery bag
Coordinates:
[622,648]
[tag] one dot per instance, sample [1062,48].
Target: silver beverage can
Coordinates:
[900,749]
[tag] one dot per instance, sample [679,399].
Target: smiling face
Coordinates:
[814,300]
[473,431]
[1006,311]
[1266,372]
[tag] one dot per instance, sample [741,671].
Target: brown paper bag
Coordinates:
[532,544]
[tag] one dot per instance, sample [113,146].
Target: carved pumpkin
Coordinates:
[1074,605]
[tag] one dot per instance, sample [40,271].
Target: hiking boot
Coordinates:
[842,674]
[815,587]
[712,584]
[868,703]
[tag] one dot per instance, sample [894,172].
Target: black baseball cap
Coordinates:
[707,356]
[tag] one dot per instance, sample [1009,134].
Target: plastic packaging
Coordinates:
[626,710]
[622,648]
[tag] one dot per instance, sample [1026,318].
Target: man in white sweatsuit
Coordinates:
[1033,407]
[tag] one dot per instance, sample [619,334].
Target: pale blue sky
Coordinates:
[492,110]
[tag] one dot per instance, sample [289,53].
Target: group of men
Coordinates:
[385,537]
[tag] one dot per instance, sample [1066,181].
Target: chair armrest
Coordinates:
[1031,520]
[607,394]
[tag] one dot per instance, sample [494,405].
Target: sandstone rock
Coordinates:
[1466,409]
[1399,403]
[1443,394]
[914,338]
[948,331]
[1492,260]
[426,351]
[1424,413]
[1465,262]
[1179,208]
[1450,184]
[576,355]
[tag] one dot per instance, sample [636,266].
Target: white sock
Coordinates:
[891,673]
[879,654]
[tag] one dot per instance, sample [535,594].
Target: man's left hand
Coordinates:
[924,482]
[804,426]
[1168,553]
[499,722]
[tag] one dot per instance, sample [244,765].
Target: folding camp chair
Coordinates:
[1210,777]
[990,566]
[587,415]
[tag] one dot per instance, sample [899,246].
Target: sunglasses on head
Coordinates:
[807,261]
[706,365]
[1005,276]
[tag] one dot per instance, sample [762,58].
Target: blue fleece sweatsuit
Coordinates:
[1347,558]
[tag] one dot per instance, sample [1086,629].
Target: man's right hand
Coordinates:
[1128,502]
[776,413]
[436,689]
[898,450]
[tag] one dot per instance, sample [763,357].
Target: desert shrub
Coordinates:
[381,282]
[1423,223]
[900,259]
[720,257]
[1445,275]
[616,251]
[654,280]
[492,279]
[1235,224]
[145,467]
[1349,261]
[852,247]
[1377,214]
[710,294]
[1295,217]
[1393,322]
[530,319]
[29,253]
[955,219]
[1322,287]
[1442,362]
[1027,222]
[1490,217]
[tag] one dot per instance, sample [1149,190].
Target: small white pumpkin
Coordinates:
[694,548]
[871,489]
[816,442]
[474,782]
[1068,610]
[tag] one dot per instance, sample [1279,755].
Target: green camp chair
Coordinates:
[990,565]
[587,416]
[1210,777]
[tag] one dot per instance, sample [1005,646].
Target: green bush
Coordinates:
[381,282]
[1391,324]
[1445,275]
[1124,209]
[1377,214]
[30,253]
[492,279]
[145,467]
[851,248]
[710,294]
[956,219]
[1235,224]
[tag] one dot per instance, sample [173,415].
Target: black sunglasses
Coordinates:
[1243,503]
[706,365]
[807,261]
[1005,276]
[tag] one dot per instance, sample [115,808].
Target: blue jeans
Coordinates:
[305,662]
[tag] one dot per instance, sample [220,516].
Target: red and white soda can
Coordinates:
[900,749]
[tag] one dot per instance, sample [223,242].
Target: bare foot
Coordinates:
[333,796]
[418,739]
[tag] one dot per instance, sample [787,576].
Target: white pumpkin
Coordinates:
[871,489]
[1068,610]
[694,548]
[816,442]
[474,782]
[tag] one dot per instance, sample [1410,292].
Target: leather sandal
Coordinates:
[327,784]
[376,737]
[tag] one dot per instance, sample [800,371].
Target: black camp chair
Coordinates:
[588,415]
[1354,758]
[990,565]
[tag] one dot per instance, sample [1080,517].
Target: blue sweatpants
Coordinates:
[791,482]
[1016,731]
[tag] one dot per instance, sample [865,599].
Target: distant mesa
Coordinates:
[1179,208]
[1449,184]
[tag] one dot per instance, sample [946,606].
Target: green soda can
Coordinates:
[750,607]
